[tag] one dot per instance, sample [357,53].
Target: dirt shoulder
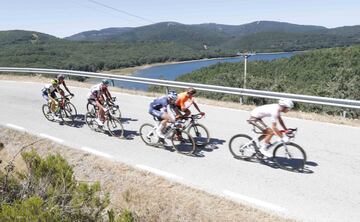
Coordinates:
[147,196]
[295,114]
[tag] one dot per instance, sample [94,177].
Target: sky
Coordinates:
[63,18]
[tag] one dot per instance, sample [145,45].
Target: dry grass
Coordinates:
[295,114]
[149,197]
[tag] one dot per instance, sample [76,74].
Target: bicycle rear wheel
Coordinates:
[115,127]
[90,121]
[47,112]
[200,134]
[289,156]
[91,108]
[242,147]
[183,142]
[148,134]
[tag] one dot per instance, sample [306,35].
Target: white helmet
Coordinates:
[172,95]
[286,103]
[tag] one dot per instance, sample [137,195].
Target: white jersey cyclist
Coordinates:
[271,110]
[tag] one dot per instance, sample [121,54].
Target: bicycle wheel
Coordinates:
[242,147]
[47,112]
[91,108]
[183,142]
[71,108]
[199,133]
[148,134]
[66,116]
[115,127]
[289,156]
[90,121]
[115,111]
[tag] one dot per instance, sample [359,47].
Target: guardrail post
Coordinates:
[344,114]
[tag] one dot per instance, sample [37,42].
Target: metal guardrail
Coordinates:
[346,103]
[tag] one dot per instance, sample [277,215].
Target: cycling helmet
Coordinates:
[191,90]
[172,95]
[54,82]
[286,103]
[105,81]
[60,77]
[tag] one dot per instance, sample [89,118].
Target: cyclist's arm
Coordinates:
[67,89]
[276,130]
[196,106]
[282,123]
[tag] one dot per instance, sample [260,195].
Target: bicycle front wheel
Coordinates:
[242,147]
[115,127]
[71,108]
[115,112]
[148,134]
[289,156]
[66,117]
[200,134]
[183,142]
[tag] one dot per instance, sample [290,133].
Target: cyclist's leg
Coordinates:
[53,103]
[101,113]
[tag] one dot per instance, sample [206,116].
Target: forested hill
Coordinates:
[327,72]
[264,36]
[33,49]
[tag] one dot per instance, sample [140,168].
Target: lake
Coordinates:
[171,71]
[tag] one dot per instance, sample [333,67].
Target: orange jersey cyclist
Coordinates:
[185,100]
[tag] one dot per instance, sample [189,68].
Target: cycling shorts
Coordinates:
[157,113]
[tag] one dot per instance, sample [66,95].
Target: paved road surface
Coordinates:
[329,191]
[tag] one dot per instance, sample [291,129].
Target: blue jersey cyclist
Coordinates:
[160,108]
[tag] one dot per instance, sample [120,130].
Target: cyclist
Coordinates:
[185,100]
[97,96]
[274,112]
[160,108]
[61,79]
[49,94]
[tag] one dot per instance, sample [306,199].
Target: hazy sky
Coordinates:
[66,17]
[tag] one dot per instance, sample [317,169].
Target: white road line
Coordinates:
[51,138]
[159,172]
[253,201]
[15,127]
[96,152]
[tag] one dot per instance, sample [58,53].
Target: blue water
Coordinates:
[171,71]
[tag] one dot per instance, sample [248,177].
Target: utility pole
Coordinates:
[246,55]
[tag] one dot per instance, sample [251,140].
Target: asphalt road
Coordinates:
[328,190]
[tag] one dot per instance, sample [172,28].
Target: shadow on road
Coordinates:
[211,146]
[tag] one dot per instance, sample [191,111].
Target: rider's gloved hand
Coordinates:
[202,113]
[71,94]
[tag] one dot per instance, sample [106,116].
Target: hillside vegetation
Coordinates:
[24,49]
[328,72]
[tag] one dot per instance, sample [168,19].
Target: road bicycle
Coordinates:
[197,131]
[286,155]
[65,110]
[180,139]
[113,124]
[113,108]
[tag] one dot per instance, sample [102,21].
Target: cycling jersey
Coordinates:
[271,110]
[182,98]
[95,92]
[49,88]
[159,106]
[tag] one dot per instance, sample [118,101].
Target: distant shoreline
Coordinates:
[131,70]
